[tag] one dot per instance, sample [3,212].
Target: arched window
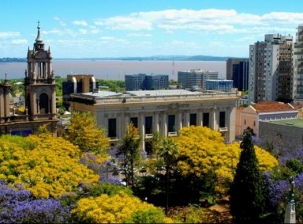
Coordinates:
[43,101]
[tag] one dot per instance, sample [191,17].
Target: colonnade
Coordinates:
[160,121]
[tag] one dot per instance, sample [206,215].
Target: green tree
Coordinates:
[246,196]
[59,82]
[155,143]
[151,215]
[83,132]
[130,148]
[169,152]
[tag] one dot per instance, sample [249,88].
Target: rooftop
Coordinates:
[172,92]
[288,122]
[150,95]
[272,106]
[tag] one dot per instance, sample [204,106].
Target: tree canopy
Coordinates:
[203,151]
[130,149]
[113,209]
[83,132]
[47,166]
[246,194]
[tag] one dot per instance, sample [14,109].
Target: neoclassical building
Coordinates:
[39,93]
[165,111]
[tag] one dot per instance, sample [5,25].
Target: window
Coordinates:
[193,119]
[222,119]
[134,120]
[254,123]
[244,121]
[148,125]
[206,119]
[112,128]
[43,103]
[171,123]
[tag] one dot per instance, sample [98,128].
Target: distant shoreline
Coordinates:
[152,58]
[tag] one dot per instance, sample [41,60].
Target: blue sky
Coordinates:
[119,28]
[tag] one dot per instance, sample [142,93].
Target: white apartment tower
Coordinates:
[298,66]
[270,64]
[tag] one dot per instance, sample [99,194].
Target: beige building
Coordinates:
[39,93]
[263,111]
[165,111]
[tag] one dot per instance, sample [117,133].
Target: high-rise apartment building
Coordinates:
[237,70]
[270,69]
[195,78]
[146,82]
[298,66]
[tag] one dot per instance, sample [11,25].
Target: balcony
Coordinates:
[148,136]
[113,139]
[300,45]
[298,52]
[223,129]
[170,134]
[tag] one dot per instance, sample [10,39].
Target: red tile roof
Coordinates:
[272,106]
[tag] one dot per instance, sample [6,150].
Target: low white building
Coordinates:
[165,111]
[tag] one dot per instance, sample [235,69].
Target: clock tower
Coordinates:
[40,87]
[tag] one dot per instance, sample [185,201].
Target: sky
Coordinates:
[143,28]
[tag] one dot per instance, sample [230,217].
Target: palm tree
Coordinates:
[169,152]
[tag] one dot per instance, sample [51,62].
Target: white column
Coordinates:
[106,123]
[186,118]
[118,124]
[156,122]
[142,129]
[199,118]
[213,119]
[230,123]
[164,124]
[179,121]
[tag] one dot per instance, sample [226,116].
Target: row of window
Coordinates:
[112,123]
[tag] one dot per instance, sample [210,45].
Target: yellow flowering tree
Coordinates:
[83,132]
[118,208]
[47,166]
[203,152]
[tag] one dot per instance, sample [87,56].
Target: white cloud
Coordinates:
[60,21]
[4,35]
[139,35]
[110,39]
[213,20]
[80,22]
[19,41]
[83,31]
[125,23]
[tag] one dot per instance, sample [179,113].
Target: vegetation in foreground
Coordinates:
[53,179]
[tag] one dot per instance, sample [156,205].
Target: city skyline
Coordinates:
[84,29]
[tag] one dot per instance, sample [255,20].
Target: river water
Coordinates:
[116,69]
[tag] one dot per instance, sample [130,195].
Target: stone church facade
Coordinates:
[39,94]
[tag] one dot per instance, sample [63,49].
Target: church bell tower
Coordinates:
[40,87]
